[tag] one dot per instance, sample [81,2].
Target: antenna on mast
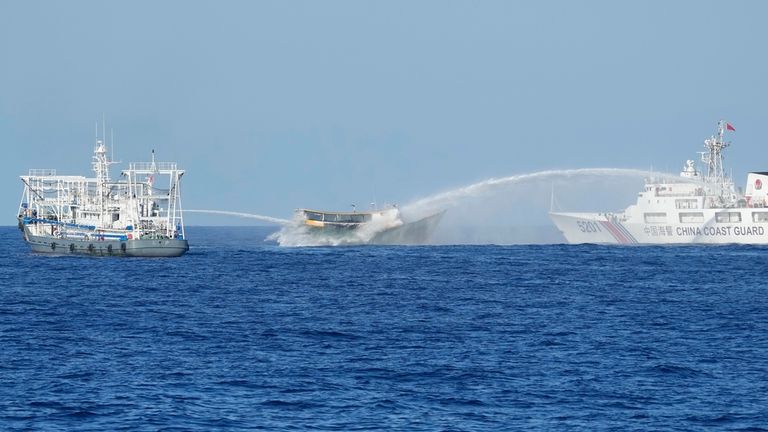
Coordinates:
[714,157]
[103,127]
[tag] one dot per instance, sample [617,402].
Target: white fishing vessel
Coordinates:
[138,215]
[695,207]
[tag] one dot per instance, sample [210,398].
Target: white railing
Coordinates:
[149,166]
[45,172]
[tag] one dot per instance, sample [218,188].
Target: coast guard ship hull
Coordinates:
[691,208]
[602,228]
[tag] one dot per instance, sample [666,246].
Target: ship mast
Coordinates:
[100,165]
[721,184]
[714,156]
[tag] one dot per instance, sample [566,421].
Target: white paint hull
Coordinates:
[601,228]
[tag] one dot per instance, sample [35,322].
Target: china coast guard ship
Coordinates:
[139,215]
[694,208]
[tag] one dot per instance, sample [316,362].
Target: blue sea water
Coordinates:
[240,334]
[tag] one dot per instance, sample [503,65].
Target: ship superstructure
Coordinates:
[696,207]
[138,215]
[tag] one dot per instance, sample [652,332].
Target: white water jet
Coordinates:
[295,233]
[444,200]
[269,219]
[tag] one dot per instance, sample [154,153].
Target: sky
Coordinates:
[276,105]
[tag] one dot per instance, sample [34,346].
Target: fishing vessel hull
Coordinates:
[606,228]
[127,248]
[385,227]
[347,228]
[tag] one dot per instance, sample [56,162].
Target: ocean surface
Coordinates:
[240,334]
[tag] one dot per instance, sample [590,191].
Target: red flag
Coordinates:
[729,127]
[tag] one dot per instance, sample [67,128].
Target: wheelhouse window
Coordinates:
[727,217]
[686,203]
[314,216]
[760,217]
[655,218]
[691,217]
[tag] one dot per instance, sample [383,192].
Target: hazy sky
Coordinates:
[270,106]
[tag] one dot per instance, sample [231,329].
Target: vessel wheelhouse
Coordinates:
[345,220]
